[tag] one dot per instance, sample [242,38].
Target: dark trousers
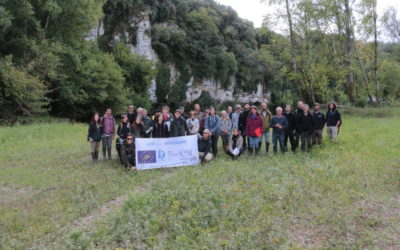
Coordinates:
[214,140]
[297,137]
[306,141]
[278,138]
[289,135]
[317,136]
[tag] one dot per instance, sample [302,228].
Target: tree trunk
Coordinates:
[349,53]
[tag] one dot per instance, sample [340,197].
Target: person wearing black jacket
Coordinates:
[147,124]
[131,114]
[243,122]
[204,146]
[333,121]
[178,125]
[123,130]
[128,154]
[95,133]
[319,124]
[305,127]
[298,112]
[160,129]
[289,131]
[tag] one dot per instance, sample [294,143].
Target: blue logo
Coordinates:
[161,155]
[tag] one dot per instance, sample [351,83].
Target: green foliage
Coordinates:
[163,82]
[20,92]
[138,73]
[206,100]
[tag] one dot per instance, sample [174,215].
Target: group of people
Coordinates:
[244,128]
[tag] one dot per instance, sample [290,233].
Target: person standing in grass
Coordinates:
[333,122]
[167,116]
[254,130]
[289,131]
[306,129]
[178,125]
[297,134]
[95,132]
[123,130]
[128,154]
[193,123]
[183,114]
[266,117]
[235,147]
[203,120]
[160,129]
[204,146]
[242,123]
[225,129]
[213,123]
[235,116]
[319,124]
[278,124]
[108,124]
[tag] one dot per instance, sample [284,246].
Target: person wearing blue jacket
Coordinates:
[212,123]
[278,124]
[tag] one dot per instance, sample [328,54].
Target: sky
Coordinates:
[255,10]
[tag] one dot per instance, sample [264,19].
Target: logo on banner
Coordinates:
[148,156]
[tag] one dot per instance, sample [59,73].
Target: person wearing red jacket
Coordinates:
[254,130]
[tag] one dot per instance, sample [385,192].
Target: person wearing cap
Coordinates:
[235,116]
[128,153]
[213,123]
[204,146]
[193,123]
[178,125]
[333,121]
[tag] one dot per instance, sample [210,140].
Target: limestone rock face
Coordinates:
[143,46]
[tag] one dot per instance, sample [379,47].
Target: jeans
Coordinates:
[107,142]
[297,136]
[266,136]
[278,138]
[289,135]
[306,138]
[254,141]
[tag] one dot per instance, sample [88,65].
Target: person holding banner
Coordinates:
[254,130]
[178,125]
[128,154]
[213,123]
[204,146]
[235,147]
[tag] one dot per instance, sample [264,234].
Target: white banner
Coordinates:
[166,152]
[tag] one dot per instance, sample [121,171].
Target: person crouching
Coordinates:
[235,146]
[204,146]
[128,154]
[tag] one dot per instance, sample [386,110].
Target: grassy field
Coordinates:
[340,196]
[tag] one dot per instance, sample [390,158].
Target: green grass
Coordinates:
[345,195]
